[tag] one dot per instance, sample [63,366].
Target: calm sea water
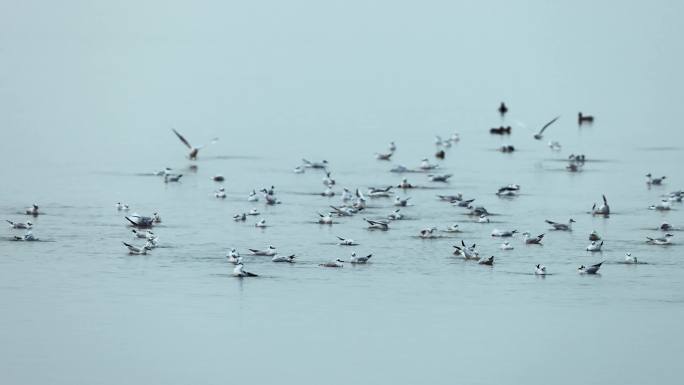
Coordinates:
[85,130]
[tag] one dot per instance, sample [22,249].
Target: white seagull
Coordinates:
[240,273]
[540,270]
[377,225]
[269,252]
[506,246]
[281,258]
[538,136]
[561,226]
[346,242]
[666,240]
[233,256]
[336,263]
[593,269]
[193,150]
[135,250]
[359,260]
[220,193]
[595,246]
[630,259]
[20,225]
[325,219]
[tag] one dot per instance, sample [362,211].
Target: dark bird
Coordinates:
[581,119]
[503,109]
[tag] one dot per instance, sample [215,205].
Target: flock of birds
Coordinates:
[354,202]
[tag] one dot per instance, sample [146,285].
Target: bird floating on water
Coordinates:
[666,240]
[654,181]
[529,240]
[593,269]
[281,258]
[595,246]
[240,273]
[346,242]
[269,252]
[603,209]
[20,225]
[359,260]
[336,263]
[561,226]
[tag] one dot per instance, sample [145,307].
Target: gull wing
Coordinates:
[182,139]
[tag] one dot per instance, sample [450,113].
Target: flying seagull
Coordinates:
[193,150]
[539,135]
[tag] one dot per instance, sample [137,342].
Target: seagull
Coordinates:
[463,203]
[328,181]
[654,181]
[508,191]
[233,256]
[663,205]
[33,210]
[193,150]
[555,146]
[28,237]
[392,147]
[478,210]
[666,240]
[135,250]
[280,258]
[506,246]
[604,209]
[156,218]
[594,236]
[346,242]
[377,225]
[539,135]
[503,233]
[532,241]
[398,201]
[299,170]
[540,270]
[451,198]
[240,273]
[336,263]
[425,165]
[428,233]
[344,211]
[455,137]
[439,178]
[240,217]
[325,219]
[395,215]
[143,234]
[483,218]
[374,192]
[253,197]
[561,226]
[253,211]
[169,178]
[593,269]
[261,223]
[320,165]
[271,251]
[220,194]
[405,184]
[218,178]
[488,261]
[452,229]
[121,207]
[399,168]
[467,252]
[630,259]
[594,246]
[328,192]
[384,156]
[347,195]
[20,225]
[438,140]
[140,221]
[359,260]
